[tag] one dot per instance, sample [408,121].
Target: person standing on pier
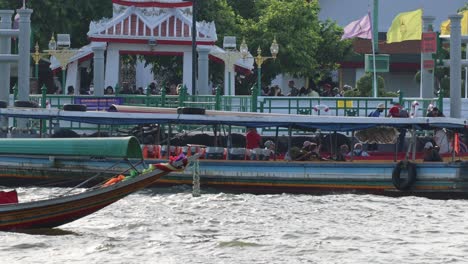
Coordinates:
[376,113]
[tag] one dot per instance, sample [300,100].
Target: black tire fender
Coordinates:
[25,104]
[3,104]
[75,107]
[406,183]
[190,111]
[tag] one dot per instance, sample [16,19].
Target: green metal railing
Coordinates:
[335,106]
[338,106]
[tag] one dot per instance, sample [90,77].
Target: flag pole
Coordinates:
[375,42]
[375,73]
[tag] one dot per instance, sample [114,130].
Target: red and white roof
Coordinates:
[153,3]
[140,24]
[244,66]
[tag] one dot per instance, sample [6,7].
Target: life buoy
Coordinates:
[321,107]
[75,107]
[25,104]
[190,111]
[404,183]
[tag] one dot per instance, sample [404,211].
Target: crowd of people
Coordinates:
[172,89]
[312,151]
[322,90]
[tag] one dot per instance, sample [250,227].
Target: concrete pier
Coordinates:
[24,47]
[455,66]
[427,76]
[5,47]
[98,69]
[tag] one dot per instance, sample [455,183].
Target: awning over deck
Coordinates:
[130,115]
[113,147]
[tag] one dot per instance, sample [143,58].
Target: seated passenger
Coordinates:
[358,152]
[431,153]
[341,156]
[252,138]
[270,147]
[309,151]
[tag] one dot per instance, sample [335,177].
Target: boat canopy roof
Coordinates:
[113,147]
[128,115]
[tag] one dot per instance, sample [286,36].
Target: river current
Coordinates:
[171,226]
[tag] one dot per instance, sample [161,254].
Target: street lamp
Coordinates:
[37,56]
[230,55]
[259,60]
[60,49]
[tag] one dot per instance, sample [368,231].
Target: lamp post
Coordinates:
[36,56]
[230,55]
[259,60]
[62,52]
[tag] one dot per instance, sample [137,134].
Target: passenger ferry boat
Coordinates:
[390,174]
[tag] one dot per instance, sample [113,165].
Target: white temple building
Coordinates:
[148,27]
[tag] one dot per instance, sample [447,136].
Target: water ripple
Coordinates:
[171,226]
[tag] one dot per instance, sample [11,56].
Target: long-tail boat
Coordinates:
[79,202]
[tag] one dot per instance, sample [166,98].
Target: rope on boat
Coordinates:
[97,175]
[196,178]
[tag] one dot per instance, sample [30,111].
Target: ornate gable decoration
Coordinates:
[151,23]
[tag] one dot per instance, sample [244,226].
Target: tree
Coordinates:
[465,7]
[308,46]
[244,8]
[312,48]
[364,87]
[62,16]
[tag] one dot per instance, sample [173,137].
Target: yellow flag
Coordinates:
[406,26]
[464,23]
[445,26]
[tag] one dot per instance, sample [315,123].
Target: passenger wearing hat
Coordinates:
[429,110]
[435,113]
[309,151]
[376,113]
[269,144]
[358,151]
[270,148]
[431,153]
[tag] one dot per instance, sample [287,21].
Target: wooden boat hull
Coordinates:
[330,177]
[262,176]
[58,211]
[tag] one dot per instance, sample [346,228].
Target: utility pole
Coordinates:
[375,44]
[194,47]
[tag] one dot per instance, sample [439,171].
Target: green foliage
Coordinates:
[364,86]
[311,49]
[331,48]
[227,23]
[62,16]
[244,8]
[308,47]
[463,8]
